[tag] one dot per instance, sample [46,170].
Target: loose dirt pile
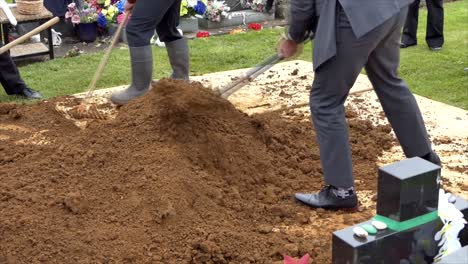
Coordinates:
[180,176]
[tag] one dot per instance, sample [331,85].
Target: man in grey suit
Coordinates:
[351,35]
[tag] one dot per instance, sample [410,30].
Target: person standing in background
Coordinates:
[11,79]
[9,74]
[435,25]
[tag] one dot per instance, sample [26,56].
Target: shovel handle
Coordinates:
[28,35]
[249,76]
[105,59]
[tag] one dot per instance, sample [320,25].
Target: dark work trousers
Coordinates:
[148,15]
[379,53]
[435,24]
[9,75]
[57,7]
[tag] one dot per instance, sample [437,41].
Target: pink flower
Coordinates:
[68,14]
[75,19]
[72,7]
[260,8]
[120,18]
[303,260]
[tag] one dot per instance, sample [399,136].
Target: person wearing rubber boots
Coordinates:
[148,15]
[351,35]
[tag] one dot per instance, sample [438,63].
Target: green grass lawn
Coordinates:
[437,75]
[440,75]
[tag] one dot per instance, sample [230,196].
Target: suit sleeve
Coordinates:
[302,20]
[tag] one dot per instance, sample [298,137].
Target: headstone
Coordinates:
[237,18]
[189,24]
[408,189]
[235,5]
[407,202]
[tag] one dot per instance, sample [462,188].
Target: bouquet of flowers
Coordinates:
[203,34]
[255,26]
[216,11]
[109,11]
[81,13]
[256,5]
[190,8]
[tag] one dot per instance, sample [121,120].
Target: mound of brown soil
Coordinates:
[180,176]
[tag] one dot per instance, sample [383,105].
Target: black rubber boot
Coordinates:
[142,75]
[178,52]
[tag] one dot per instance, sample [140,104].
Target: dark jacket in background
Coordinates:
[57,7]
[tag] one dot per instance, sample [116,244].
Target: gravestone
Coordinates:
[407,202]
[188,24]
[235,5]
[238,16]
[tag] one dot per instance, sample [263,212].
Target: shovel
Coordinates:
[264,66]
[231,88]
[28,35]
[88,110]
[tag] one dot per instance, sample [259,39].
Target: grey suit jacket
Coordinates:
[319,16]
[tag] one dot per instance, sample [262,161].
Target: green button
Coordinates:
[370,229]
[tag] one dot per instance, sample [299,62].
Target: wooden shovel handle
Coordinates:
[105,59]
[28,35]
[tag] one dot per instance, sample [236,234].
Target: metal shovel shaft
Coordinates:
[250,76]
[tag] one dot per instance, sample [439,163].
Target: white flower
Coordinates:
[453,221]
[192,2]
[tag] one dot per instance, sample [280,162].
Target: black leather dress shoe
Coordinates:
[432,157]
[404,45]
[29,93]
[327,199]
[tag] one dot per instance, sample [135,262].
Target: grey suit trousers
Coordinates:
[378,52]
